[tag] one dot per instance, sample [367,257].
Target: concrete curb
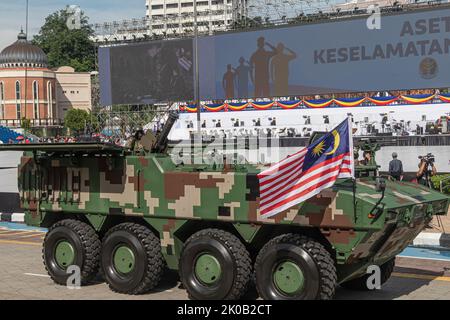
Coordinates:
[428,239]
[12,217]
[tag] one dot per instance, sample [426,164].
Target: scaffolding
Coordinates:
[248,14]
[122,120]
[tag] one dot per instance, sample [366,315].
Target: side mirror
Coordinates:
[380,184]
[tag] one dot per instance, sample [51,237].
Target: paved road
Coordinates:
[24,277]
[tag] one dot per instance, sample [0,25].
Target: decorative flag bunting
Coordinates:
[319,103]
[322,103]
[190,108]
[382,101]
[262,105]
[237,106]
[349,102]
[215,107]
[309,171]
[417,99]
[289,104]
[444,97]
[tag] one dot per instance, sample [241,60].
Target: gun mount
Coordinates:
[368,166]
[161,141]
[154,142]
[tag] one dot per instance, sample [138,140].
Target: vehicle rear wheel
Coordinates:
[131,259]
[67,243]
[294,267]
[361,282]
[215,265]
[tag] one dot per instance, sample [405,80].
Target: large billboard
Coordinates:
[409,51]
[147,73]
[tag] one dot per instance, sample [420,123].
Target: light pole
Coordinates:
[196,77]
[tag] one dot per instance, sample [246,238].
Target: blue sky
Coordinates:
[12,13]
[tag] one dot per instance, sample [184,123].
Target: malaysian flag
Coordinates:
[307,172]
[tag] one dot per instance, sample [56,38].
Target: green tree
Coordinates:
[77,120]
[25,124]
[64,46]
[441,180]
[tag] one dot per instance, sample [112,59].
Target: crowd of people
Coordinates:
[70,139]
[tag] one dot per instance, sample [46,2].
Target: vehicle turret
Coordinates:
[161,141]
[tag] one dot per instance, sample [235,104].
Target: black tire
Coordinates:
[86,245]
[360,283]
[149,262]
[233,258]
[309,256]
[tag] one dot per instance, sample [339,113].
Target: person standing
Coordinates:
[279,69]
[259,62]
[427,170]
[396,168]
[243,73]
[228,82]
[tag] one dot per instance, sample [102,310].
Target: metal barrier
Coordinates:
[16,123]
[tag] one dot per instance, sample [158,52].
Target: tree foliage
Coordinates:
[445,179]
[64,46]
[76,120]
[25,124]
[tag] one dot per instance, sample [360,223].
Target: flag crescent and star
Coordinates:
[337,141]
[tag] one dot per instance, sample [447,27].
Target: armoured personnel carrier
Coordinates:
[134,212]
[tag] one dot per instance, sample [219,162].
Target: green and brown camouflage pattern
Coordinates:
[107,185]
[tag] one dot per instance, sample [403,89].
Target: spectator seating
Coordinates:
[7,134]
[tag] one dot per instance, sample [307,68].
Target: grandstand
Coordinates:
[403,115]
[6,135]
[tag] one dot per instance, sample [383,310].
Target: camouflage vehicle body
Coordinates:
[104,185]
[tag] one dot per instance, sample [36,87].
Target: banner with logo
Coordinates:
[409,51]
[404,51]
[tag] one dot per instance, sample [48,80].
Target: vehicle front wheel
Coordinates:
[71,243]
[294,267]
[131,259]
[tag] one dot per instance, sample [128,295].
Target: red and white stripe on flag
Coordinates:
[285,184]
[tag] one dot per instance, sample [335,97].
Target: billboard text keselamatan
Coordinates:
[409,51]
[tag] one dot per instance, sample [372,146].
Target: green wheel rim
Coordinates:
[208,269]
[64,254]
[288,278]
[124,260]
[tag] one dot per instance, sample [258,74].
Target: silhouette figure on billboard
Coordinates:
[228,82]
[260,64]
[279,69]
[243,71]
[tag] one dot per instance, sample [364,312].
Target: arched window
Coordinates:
[2,100]
[18,102]
[49,100]
[36,100]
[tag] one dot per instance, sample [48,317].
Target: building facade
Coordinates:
[73,90]
[30,90]
[170,18]
[177,16]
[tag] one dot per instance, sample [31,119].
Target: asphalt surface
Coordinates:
[23,276]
